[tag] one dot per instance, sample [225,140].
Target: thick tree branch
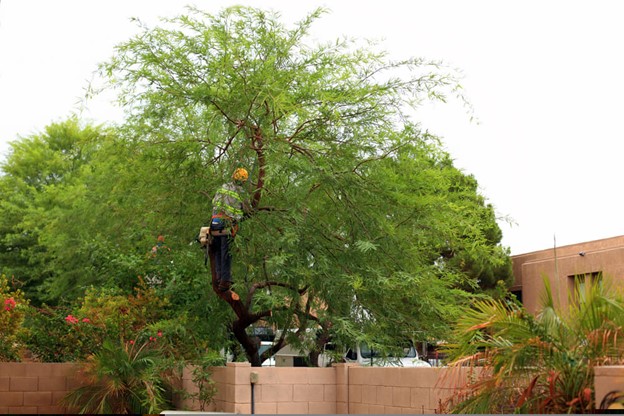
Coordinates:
[257,144]
[228,143]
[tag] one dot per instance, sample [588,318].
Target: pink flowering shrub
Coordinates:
[9,304]
[56,334]
[73,333]
[12,315]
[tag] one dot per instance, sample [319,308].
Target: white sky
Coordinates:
[545,79]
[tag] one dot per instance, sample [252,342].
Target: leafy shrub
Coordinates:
[128,377]
[123,316]
[55,334]
[13,310]
[543,363]
[72,333]
[206,387]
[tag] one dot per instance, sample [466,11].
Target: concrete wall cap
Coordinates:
[238,364]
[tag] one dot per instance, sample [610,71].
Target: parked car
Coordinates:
[265,345]
[362,354]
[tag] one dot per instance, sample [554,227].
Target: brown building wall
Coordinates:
[559,265]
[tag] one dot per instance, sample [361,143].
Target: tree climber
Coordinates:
[228,209]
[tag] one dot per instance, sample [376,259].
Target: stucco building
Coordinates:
[562,266]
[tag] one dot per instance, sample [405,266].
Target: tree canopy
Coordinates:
[360,225]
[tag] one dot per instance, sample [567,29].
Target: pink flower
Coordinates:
[70,319]
[9,304]
[86,320]
[159,333]
[587,395]
[131,342]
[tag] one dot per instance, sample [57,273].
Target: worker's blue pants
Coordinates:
[223,257]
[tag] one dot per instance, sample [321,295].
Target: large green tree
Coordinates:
[360,226]
[81,208]
[359,223]
[35,178]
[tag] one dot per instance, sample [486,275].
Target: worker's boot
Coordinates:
[224,285]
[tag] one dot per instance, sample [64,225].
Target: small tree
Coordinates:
[41,180]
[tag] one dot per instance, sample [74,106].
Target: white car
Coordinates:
[363,355]
[269,362]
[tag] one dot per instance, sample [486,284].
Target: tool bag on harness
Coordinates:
[220,225]
[204,236]
[217,225]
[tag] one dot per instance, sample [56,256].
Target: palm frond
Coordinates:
[538,364]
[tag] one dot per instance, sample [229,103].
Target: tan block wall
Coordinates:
[607,379]
[278,390]
[341,389]
[35,388]
[401,390]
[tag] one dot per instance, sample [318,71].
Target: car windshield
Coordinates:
[408,352]
[263,348]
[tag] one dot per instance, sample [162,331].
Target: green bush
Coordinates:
[12,314]
[55,334]
[540,363]
[120,315]
[73,332]
[124,378]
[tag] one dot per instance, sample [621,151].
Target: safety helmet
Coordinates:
[240,175]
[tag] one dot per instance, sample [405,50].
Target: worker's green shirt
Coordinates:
[228,201]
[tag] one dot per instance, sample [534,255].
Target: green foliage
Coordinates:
[360,224]
[206,387]
[41,181]
[123,377]
[57,334]
[74,332]
[543,363]
[12,313]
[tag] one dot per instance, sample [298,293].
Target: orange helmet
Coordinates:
[240,175]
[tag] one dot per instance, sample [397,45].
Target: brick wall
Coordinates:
[35,388]
[376,390]
[278,390]
[608,379]
[342,389]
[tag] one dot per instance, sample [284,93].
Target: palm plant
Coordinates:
[122,378]
[538,364]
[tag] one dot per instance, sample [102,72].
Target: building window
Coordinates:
[581,284]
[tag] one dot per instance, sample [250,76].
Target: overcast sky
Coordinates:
[545,78]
